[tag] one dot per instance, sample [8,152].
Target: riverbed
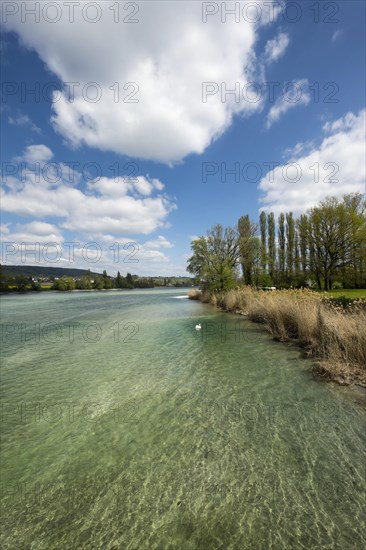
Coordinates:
[124,427]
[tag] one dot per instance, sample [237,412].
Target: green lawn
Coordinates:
[351,293]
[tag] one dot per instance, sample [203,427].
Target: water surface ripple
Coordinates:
[125,428]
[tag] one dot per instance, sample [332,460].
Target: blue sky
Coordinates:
[293,132]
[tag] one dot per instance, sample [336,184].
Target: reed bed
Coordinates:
[333,335]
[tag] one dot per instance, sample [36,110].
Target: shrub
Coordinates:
[194,294]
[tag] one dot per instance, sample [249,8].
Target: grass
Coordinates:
[349,293]
[333,335]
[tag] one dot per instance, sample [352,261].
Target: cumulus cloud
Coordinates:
[336,167]
[44,244]
[294,94]
[118,206]
[146,100]
[36,154]
[276,48]
[33,232]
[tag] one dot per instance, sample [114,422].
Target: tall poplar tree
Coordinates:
[263,231]
[281,246]
[271,245]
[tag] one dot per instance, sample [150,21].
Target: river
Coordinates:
[125,428]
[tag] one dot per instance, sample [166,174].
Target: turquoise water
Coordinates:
[125,428]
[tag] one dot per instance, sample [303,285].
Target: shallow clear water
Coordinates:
[124,427]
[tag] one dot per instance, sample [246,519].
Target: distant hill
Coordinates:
[37,271]
[43,271]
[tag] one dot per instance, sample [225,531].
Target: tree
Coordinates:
[256,251]
[64,283]
[356,206]
[337,232]
[271,244]
[215,258]
[98,283]
[290,237]
[35,286]
[107,283]
[21,282]
[83,283]
[281,246]
[129,281]
[297,257]
[119,280]
[263,230]
[247,230]
[4,280]
[302,230]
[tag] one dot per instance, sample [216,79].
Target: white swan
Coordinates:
[198,327]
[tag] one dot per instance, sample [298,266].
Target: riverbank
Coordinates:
[332,334]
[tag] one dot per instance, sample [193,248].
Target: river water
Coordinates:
[125,428]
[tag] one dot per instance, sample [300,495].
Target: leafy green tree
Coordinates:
[290,237]
[35,286]
[247,230]
[21,282]
[264,279]
[84,283]
[4,280]
[271,245]
[355,204]
[107,283]
[281,246]
[336,233]
[296,256]
[64,283]
[215,258]
[98,283]
[119,280]
[302,230]
[263,230]
[129,281]
[256,248]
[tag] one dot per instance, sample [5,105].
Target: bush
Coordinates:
[337,285]
[194,294]
[64,283]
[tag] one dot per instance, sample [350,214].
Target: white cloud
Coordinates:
[31,233]
[39,243]
[294,94]
[121,206]
[347,122]
[23,120]
[160,242]
[299,149]
[168,54]
[335,168]
[337,35]
[105,213]
[276,48]
[36,154]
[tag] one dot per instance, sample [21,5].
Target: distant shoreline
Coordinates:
[37,292]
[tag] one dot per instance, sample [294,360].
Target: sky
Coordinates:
[130,128]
